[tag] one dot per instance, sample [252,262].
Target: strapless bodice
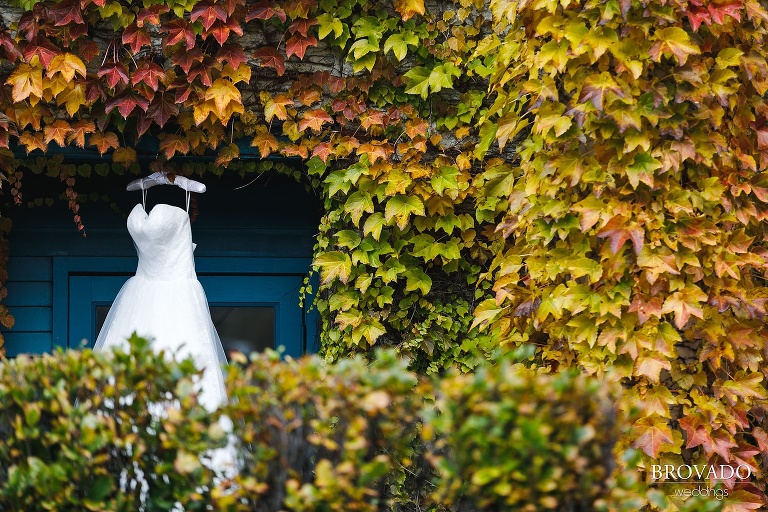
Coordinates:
[163,239]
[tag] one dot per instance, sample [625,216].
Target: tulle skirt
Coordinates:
[174,314]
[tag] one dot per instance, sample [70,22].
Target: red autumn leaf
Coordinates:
[207,12]
[151,14]
[645,307]
[125,103]
[172,144]
[79,130]
[179,31]
[86,50]
[314,120]
[103,141]
[761,437]
[618,231]
[29,26]
[10,48]
[697,16]
[302,26]
[66,12]
[142,124]
[720,11]
[696,432]
[322,151]
[43,48]
[149,73]
[264,11]
[115,72]
[94,90]
[182,92]
[271,59]
[232,53]
[336,84]
[162,108]
[136,37]
[220,30]
[202,71]
[297,45]
[186,58]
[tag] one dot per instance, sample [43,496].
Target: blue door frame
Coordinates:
[81,284]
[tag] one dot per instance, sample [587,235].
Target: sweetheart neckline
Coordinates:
[149,214]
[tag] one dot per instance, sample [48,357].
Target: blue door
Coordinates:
[251,311]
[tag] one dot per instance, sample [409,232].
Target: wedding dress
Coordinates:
[164,301]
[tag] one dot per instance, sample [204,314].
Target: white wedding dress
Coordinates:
[165,302]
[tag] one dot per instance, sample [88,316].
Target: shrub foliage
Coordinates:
[77,433]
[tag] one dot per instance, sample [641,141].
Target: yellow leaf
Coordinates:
[52,87]
[67,64]
[27,82]
[72,98]
[409,8]
[241,74]
[222,92]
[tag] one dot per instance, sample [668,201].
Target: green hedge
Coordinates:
[76,434]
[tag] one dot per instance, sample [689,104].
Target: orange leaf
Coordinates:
[58,131]
[266,142]
[314,120]
[172,144]
[26,81]
[619,231]
[33,141]
[650,434]
[103,141]
[79,131]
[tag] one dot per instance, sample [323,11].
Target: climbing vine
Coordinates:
[584,177]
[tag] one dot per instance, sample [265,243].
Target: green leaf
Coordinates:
[487,136]
[418,81]
[333,265]
[400,208]
[370,329]
[347,238]
[398,44]
[642,170]
[445,179]
[357,204]
[416,279]
[373,225]
[327,24]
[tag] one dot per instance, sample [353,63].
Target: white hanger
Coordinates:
[161,178]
